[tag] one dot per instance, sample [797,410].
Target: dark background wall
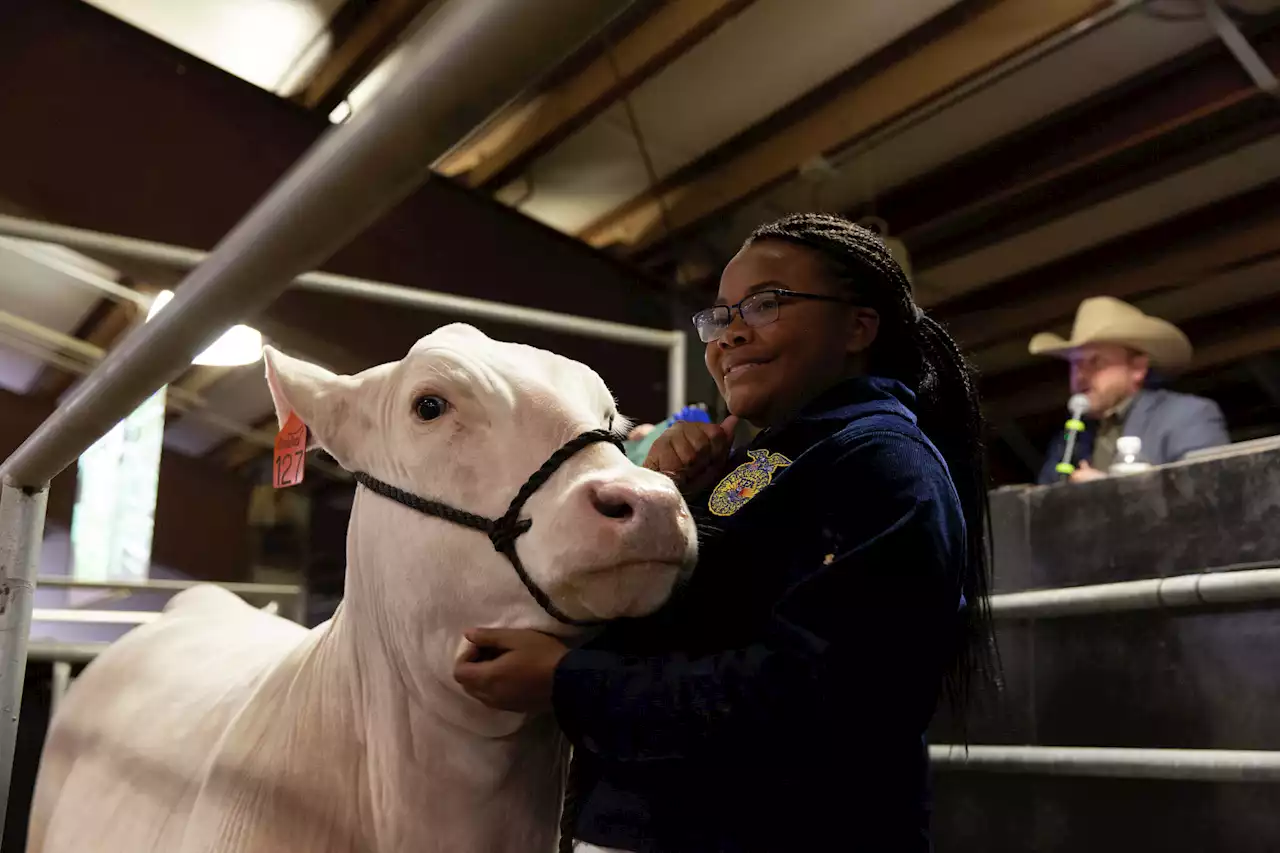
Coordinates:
[1196,679]
[202,507]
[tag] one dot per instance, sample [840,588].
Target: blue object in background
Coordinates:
[637,450]
[697,413]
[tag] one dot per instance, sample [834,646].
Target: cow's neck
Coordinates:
[442,773]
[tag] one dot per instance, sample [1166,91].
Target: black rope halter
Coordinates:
[503,532]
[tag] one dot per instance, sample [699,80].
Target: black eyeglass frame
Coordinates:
[780,293]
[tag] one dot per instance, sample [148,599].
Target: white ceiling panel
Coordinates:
[1115,52]
[271,43]
[41,295]
[242,396]
[1193,188]
[755,64]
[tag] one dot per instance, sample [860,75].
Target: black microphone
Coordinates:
[1078,405]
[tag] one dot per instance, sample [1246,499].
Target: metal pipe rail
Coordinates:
[43,651]
[182,257]
[1204,589]
[94,617]
[243,590]
[474,57]
[1200,765]
[674,342]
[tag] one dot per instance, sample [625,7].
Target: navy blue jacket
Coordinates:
[780,701]
[1171,425]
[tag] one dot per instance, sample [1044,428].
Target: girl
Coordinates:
[780,702]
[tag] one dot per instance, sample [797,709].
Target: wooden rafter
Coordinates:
[105,325]
[368,38]
[998,31]
[1177,265]
[530,127]
[1065,156]
[1217,292]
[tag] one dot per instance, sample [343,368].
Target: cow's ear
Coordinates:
[324,401]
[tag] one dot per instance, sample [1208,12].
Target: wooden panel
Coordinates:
[356,54]
[532,126]
[999,32]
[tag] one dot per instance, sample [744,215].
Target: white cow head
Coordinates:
[465,420]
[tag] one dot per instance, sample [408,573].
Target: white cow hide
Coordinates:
[220,728]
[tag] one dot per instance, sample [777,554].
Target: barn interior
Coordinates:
[1018,157]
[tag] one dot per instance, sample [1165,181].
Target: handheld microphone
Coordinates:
[1078,405]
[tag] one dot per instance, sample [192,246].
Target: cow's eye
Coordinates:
[430,408]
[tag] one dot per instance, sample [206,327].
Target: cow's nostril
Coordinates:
[611,505]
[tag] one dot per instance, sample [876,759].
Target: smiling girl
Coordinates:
[780,702]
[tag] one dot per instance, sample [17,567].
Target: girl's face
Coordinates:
[767,373]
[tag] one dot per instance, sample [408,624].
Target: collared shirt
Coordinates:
[780,701]
[1110,430]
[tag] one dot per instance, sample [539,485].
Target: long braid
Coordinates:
[572,805]
[915,349]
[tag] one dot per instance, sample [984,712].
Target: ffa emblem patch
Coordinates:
[745,482]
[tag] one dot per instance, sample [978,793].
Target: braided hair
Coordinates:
[915,349]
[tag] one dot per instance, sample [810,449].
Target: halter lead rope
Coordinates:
[503,532]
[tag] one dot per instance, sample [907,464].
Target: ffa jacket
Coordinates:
[780,701]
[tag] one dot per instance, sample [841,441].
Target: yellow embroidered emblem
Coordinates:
[745,482]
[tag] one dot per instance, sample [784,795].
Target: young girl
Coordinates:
[780,702]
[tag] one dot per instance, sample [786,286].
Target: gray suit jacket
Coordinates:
[1170,425]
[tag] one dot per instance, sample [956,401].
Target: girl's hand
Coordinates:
[692,454]
[520,677]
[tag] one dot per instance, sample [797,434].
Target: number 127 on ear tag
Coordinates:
[290,456]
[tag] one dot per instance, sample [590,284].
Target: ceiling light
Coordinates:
[239,345]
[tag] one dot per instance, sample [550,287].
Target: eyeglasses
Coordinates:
[759,309]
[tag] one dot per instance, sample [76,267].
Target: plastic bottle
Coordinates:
[1128,457]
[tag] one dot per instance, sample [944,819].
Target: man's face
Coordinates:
[1108,374]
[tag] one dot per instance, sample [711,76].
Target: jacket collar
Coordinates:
[861,396]
[850,399]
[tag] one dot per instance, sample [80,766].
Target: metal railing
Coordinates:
[474,57]
[1202,765]
[1203,589]
[1253,585]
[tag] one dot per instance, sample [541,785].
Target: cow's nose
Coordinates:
[615,500]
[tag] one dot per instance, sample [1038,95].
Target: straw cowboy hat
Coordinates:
[1107,320]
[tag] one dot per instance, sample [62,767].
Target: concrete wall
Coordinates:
[1191,679]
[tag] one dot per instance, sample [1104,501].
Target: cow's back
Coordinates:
[128,747]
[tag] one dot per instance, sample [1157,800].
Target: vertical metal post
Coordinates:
[58,687]
[21,534]
[676,356]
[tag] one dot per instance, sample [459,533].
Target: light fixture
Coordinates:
[340,113]
[238,346]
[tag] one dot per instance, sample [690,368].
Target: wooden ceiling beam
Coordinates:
[235,453]
[106,324]
[1180,113]
[369,36]
[1229,288]
[507,144]
[1239,231]
[994,33]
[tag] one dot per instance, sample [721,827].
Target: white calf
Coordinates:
[220,728]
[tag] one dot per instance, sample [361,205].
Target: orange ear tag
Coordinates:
[290,456]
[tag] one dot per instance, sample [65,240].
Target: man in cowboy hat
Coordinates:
[1112,347]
